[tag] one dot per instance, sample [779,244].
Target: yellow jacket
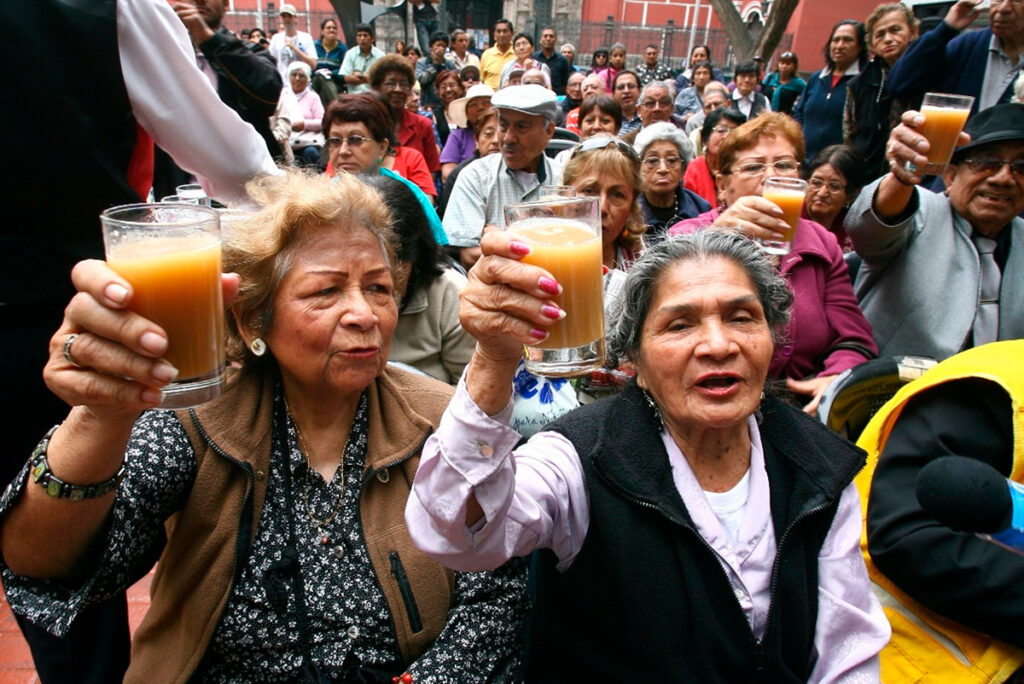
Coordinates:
[925,646]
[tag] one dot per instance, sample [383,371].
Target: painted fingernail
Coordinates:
[538,333]
[116,293]
[164,372]
[153,343]
[549,285]
[520,248]
[152,396]
[552,311]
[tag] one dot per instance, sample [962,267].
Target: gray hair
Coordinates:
[568,45]
[663,130]
[645,275]
[668,85]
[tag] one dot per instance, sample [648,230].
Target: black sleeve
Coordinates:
[253,73]
[958,575]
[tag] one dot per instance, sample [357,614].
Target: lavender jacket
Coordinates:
[827,332]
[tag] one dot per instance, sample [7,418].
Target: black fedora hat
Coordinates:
[995,124]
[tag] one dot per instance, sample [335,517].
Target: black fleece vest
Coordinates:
[647,599]
[67,133]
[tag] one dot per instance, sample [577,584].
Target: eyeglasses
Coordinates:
[832,185]
[654,104]
[396,85]
[599,143]
[354,141]
[783,167]
[989,166]
[652,163]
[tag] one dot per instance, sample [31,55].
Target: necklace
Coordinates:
[325,538]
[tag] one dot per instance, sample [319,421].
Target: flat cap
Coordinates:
[532,99]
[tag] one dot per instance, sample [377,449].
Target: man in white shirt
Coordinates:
[460,54]
[291,44]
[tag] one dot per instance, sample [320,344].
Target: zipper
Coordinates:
[411,609]
[245,525]
[371,472]
[775,569]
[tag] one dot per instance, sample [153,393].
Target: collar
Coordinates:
[542,172]
[852,71]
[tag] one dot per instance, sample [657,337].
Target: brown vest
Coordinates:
[214,530]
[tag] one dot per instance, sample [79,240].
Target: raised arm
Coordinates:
[475,503]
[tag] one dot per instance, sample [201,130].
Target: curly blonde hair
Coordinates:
[260,247]
[614,161]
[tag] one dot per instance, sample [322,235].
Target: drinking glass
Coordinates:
[193,192]
[564,235]
[171,255]
[788,194]
[555,191]
[944,119]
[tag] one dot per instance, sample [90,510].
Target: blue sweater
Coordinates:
[820,109]
[944,62]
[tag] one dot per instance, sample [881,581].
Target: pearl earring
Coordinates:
[258,347]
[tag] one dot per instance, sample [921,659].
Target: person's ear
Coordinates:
[949,174]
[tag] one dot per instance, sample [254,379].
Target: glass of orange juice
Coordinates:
[788,194]
[564,235]
[171,255]
[944,118]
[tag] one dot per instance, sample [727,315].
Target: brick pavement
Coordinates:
[16,663]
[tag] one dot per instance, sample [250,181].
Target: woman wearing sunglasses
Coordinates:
[827,332]
[360,140]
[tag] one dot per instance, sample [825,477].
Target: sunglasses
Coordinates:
[599,143]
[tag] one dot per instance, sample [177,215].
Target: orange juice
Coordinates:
[791,202]
[177,286]
[942,126]
[571,252]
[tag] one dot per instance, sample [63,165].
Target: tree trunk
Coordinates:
[742,44]
[775,26]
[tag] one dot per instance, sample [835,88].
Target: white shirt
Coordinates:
[284,55]
[175,103]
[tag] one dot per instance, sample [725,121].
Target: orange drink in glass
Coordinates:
[788,194]
[564,235]
[171,255]
[944,118]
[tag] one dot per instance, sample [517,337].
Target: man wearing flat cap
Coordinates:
[945,272]
[526,121]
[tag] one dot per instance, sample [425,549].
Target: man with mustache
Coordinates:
[945,272]
[526,119]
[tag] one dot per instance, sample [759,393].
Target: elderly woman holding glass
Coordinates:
[276,509]
[827,333]
[690,483]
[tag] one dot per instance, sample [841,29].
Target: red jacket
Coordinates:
[418,133]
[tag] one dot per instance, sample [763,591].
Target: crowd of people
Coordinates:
[364,502]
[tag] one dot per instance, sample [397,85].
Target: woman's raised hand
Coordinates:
[507,303]
[113,363]
[755,217]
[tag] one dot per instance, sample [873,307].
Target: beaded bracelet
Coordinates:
[42,475]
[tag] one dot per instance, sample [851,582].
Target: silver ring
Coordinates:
[67,349]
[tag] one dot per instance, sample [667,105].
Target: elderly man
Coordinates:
[591,84]
[526,120]
[943,273]
[716,96]
[980,63]
[573,92]
[291,44]
[460,54]
[652,69]
[656,105]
